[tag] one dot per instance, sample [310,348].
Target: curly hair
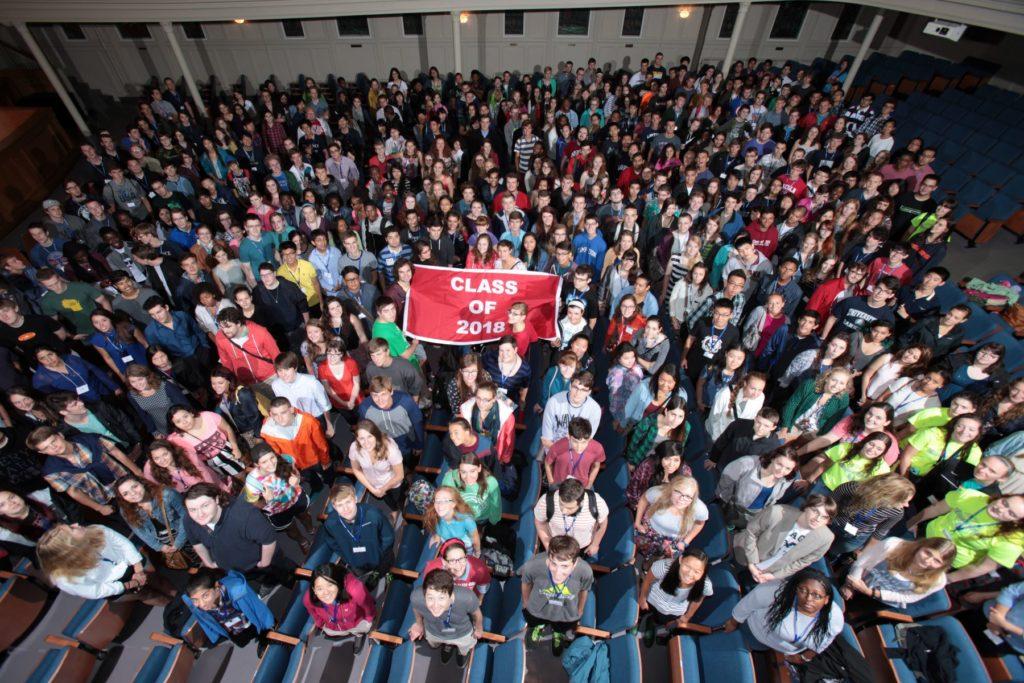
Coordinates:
[785,602]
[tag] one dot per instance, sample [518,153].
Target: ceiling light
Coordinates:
[239,21]
[684,12]
[464,18]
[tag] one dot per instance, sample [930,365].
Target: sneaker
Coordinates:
[359,643]
[647,630]
[460,659]
[662,635]
[446,653]
[557,644]
[534,635]
[261,647]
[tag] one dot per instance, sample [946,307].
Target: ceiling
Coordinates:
[1001,15]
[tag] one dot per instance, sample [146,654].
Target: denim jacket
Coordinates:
[175,521]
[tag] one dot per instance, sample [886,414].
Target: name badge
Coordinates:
[448,630]
[127,359]
[556,603]
[359,549]
[993,637]
[130,205]
[850,529]
[84,389]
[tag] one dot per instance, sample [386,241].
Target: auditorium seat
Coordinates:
[22,600]
[889,667]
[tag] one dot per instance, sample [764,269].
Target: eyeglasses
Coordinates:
[808,593]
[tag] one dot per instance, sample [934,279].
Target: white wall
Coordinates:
[117,67]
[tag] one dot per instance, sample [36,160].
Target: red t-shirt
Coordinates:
[795,186]
[343,386]
[524,338]
[477,577]
[880,267]
[565,463]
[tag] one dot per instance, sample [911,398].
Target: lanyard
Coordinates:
[560,588]
[359,526]
[967,525]
[797,636]
[448,617]
[574,464]
[334,613]
[84,381]
[913,397]
[118,347]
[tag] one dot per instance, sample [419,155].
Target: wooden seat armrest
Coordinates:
[386,638]
[61,641]
[592,632]
[510,516]
[889,615]
[165,639]
[303,572]
[695,628]
[282,638]
[492,637]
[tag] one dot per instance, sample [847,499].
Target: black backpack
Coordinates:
[928,653]
[176,615]
[549,505]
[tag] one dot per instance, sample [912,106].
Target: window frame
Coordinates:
[418,17]
[197,24]
[120,32]
[81,32]
[504,24]
[852,23]
[365,17]
[734,9]
[585,34]
[284,31]
[640,30]
[803,20]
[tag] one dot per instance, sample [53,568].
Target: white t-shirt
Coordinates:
[792,539]
[377,472]
[667,523]
[677,603]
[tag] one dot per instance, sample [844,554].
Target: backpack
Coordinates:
[508,479]
[927,652]
[549,505]
[176,616]
[420,495]
[499,562]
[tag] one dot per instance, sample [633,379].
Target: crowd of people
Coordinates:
[203,336]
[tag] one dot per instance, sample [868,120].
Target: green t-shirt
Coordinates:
[933,448]
[397,343]
[486,507]
[856,468]
[974,531]
[75,304]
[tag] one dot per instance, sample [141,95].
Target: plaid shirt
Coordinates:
[873,125]
[86,452]
[705,308]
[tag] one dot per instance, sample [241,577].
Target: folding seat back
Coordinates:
[712,539]
[21,603]
[617,600]
[979,326]
[716,608]
[624,659]
[526,539]
[617,546]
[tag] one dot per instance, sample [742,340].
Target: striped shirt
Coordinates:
[580,526]
[875,522]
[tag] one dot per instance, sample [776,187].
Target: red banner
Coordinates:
[455,306]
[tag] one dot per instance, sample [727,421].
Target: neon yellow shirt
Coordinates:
[974,532]
[932,448]
[856,468]
[303,275]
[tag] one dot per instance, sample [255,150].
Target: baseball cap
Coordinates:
[50,204]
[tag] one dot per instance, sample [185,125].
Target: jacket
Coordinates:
[804,397]
[506,441]
[586,661]
[739,484]
[765,533]
[243,598]
[82,373]
[641,441]
[243,410]
[116,422]
[252,362]
[308,447]
[824,297]
[347,615]
[175,521]
[375,534]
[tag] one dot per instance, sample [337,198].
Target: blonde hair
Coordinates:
[902,557]
[681,483]
[342,492]
[62,556]
[884,491]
